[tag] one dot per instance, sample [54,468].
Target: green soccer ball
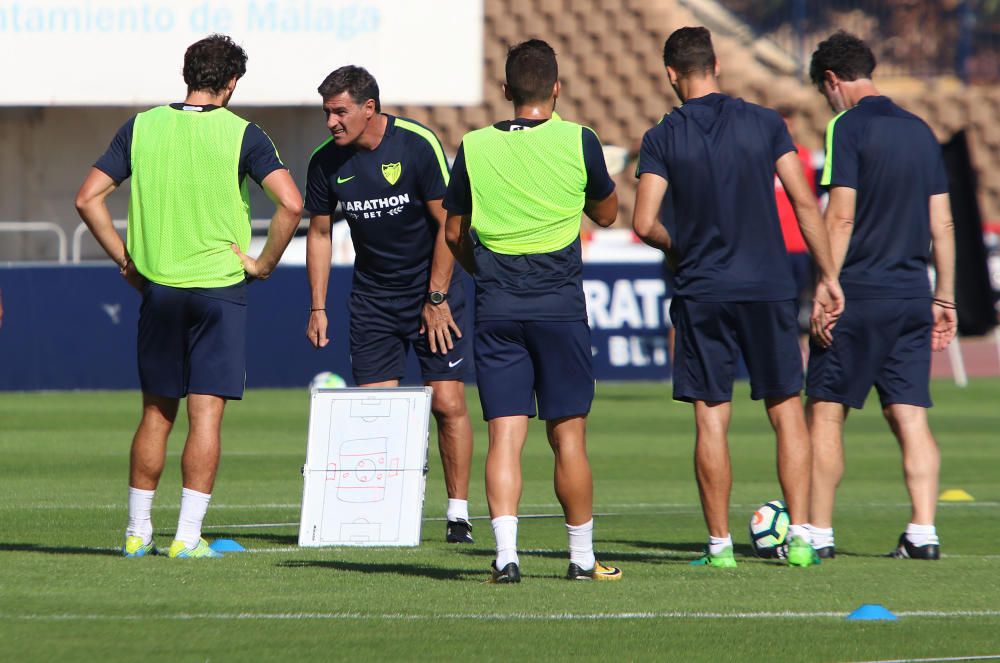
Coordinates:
[327,380]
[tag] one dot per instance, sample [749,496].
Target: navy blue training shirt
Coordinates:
[544,286]
[258,157]
[891,158]
[717,154]
[383,194]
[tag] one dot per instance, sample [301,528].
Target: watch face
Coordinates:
[436,297]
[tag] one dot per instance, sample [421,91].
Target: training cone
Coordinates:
[226,545]
[956,495]
[871,611]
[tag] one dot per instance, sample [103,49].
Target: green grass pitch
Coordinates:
[66,595]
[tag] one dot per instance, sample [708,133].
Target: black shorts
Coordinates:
[711,336]
[517,362]
[383,328]
[885,342]
[193,341]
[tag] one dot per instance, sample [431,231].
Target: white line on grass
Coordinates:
[9,506]
[516,616]
[250,526]
[124,505]
[665,553]
[991,657]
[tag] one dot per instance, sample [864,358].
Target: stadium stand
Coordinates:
[613,81]
[613,77]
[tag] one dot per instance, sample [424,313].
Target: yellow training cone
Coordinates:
[956,495]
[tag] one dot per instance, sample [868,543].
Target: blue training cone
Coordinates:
[226,545]
[872,612]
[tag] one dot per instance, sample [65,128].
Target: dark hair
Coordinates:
[531,71]
[689,51]
[210,63]
[355,81]
[843,54]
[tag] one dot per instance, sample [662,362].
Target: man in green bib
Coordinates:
[188,228]
[521,186]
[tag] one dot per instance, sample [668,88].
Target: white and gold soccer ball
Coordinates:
[768,529]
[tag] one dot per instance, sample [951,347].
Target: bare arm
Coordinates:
[839,219]
[318,253]
[828,301]
[646,215]
[281,189]
[457,234]
[602,212]
[437,318]
[943,255]
[442,262]
[91,204]
[789,169]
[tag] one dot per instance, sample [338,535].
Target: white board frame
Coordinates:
[366,467]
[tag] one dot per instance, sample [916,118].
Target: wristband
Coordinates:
[944,303]
[313,310]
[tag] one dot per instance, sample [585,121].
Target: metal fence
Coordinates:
[921,38]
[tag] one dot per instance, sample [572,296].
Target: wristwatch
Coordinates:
[437,297]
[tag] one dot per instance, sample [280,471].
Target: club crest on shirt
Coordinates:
[391,171]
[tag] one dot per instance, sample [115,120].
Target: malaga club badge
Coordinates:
[391,171]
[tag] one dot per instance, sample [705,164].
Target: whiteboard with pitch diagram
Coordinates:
[366,467]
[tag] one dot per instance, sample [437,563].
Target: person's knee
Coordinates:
[205,410]
[906,419]
[449,404]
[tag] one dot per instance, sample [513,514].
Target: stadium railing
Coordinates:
[39,227]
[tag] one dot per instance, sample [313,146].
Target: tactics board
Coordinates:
[366,467]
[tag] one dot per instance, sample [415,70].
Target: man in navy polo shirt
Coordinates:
[389,175]
[888,204]
[735,293]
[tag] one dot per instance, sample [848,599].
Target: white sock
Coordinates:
[458,510]
[717,544]
[822,537]
[505,532]
[922,535]
[193,508]
[581,544]
[140,519]
[800,531]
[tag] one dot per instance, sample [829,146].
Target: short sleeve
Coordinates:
[651,154]
[599,182]
[940,182]
[320,200]
[841,165]
[781,141]
[258,156]
[458,199]
[116,162]
[432,170]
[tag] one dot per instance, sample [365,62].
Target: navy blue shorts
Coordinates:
[711,336]
[193,341]
[517,362]
[885,342]
[382,330]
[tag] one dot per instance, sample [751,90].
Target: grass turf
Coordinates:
[67,595]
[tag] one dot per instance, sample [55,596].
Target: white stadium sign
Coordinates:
[127,52]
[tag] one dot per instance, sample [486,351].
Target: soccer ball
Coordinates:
[326,380]
[768,529]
